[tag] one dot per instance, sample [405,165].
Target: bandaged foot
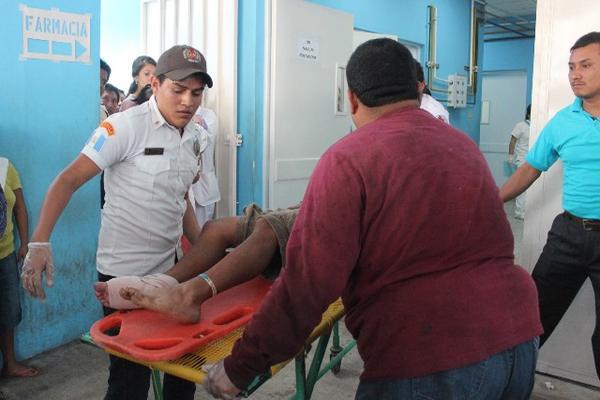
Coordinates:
[180,302]
[108,292]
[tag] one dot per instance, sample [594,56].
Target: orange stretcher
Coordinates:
[162,344]
[151,336]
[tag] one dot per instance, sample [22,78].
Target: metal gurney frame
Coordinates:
[189,366]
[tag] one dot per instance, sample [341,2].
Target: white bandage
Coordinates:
[145,284]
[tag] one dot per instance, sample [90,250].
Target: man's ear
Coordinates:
[154,84]
[353,99]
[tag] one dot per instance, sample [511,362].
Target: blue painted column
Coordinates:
[48,109]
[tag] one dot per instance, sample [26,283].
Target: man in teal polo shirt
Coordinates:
[572,250]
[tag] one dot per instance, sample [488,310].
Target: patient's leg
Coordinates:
[216,237]
[210,247]
[245,262]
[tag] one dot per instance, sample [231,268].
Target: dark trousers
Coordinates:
[571,255]
[131,381]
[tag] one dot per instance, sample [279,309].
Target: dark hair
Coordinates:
[111,88]
[421,77]
[136,67]
[587,39]
[161,78]
[420,74]
[106,67]
[132,88]
[144,95]
[139,63]
[528,112]
[382,71]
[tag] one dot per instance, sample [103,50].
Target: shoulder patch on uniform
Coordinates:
[110,130]
[98,138]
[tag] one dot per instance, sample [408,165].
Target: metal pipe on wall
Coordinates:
[433,65]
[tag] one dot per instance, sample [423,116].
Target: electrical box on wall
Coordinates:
[457,91]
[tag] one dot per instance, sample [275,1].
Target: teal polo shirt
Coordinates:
[572,135]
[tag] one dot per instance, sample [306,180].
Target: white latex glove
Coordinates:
[218,384]
[511,159]
[37,261]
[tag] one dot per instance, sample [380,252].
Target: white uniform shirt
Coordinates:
[148,168]
[435,108]
[521,133]
[206,190]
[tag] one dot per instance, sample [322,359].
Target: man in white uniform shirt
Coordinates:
[150,155]
[517,150]
[205,192]
[428,103]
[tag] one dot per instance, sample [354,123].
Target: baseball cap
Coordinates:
[179,62]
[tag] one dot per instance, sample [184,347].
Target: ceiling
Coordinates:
[508,19]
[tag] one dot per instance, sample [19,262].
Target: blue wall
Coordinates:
[47,111]
[407,19]
[251,80]
[510,55]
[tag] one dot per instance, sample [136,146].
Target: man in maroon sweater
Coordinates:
[402,219]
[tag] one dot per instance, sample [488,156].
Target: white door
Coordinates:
[504,96]
[310,46]
[211,27]
[362,36]
[559,23]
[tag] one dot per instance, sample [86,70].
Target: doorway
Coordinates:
[504,98]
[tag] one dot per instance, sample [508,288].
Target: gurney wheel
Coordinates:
[336,368]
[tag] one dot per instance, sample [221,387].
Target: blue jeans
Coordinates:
[508,375]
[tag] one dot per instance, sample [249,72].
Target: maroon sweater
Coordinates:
[401,218]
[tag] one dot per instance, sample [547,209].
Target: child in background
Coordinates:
[10,306]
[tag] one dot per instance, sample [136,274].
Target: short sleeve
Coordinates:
[108,144]
[543,153]
[517,131]
[12,177]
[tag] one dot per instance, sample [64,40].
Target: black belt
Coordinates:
[586,223]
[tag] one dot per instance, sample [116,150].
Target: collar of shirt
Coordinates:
[157,118]
[577,107]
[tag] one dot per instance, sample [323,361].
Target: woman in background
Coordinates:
[142,71]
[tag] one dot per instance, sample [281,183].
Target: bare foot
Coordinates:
[174,301]
[19,371]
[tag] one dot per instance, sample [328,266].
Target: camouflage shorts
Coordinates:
[280,220]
